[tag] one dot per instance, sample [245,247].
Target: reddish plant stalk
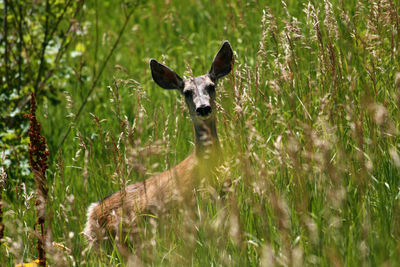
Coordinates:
[38,154]
[3,176]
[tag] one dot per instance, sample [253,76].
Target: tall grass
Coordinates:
[308,122]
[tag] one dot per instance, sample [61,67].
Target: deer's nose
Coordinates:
[203,110]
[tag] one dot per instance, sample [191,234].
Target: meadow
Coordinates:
[308,121]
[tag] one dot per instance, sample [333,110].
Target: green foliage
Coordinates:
[308,121]
[35,39]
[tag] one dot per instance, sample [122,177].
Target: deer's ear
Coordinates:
[223,62]
[165,77]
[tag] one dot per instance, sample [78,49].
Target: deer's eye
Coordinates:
[188,93]
[211,88]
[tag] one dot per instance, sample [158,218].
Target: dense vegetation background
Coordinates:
[308,121]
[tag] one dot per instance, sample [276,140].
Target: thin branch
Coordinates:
[21,38]
[97,77]
[27,31]
[44,46]
[3,177]
[5,27]
[63,47]
[60,18]
[97,39]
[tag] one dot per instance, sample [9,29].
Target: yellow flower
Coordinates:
[34,263]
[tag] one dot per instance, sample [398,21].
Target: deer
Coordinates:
[105,216]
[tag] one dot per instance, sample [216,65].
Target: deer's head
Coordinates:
[199,91]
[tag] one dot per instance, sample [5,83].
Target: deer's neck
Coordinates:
[206,138]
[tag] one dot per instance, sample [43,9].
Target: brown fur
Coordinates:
[138,198]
